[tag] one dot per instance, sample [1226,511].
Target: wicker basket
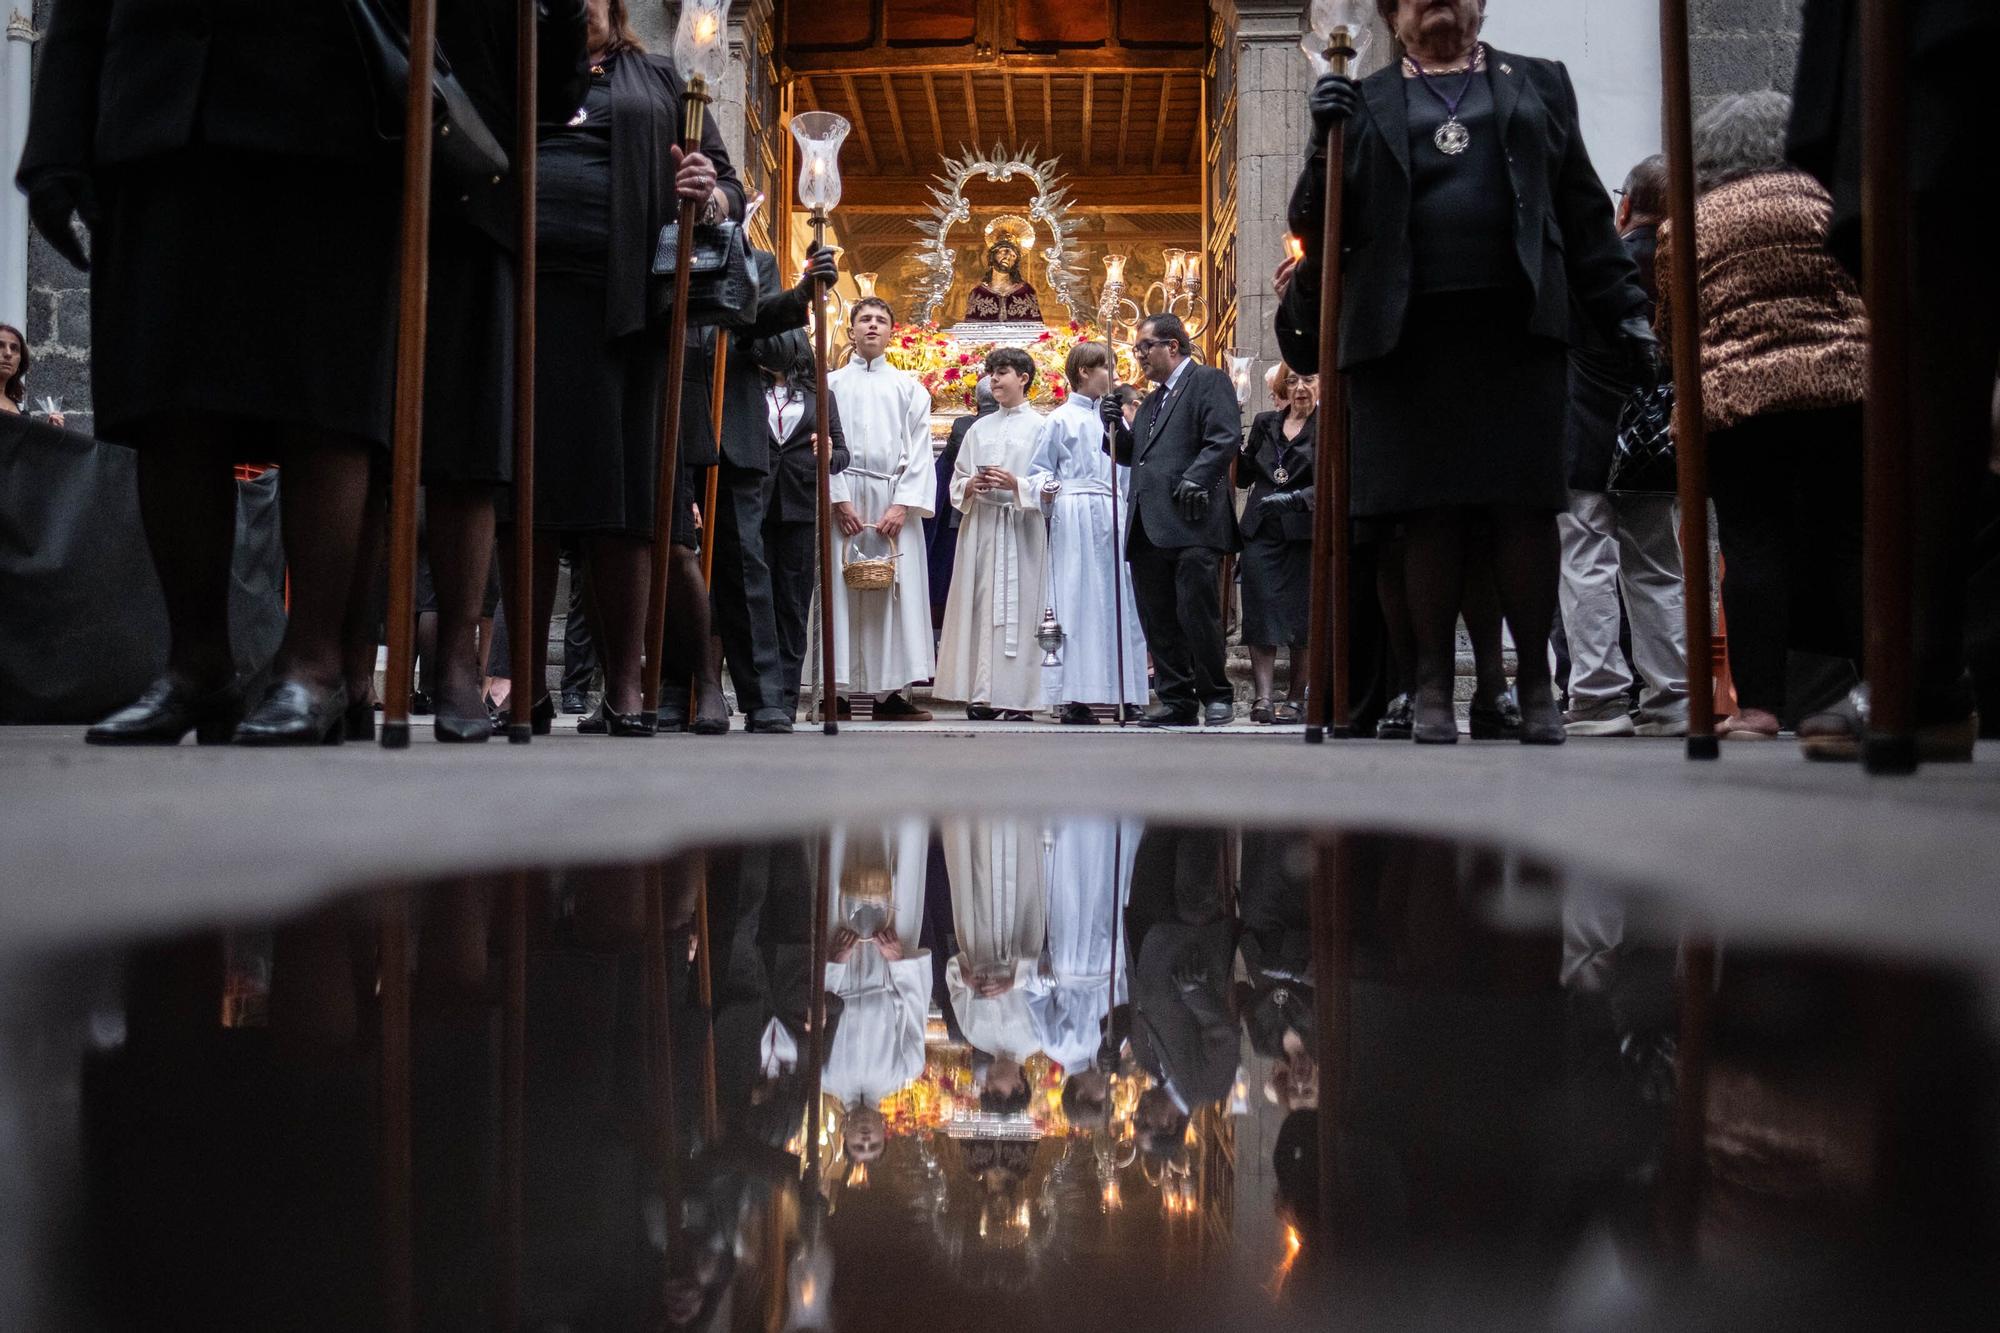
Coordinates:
[867,573]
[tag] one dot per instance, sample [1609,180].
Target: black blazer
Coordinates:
[746,429]
[478,39]
[1200,430]
[1564,235]
[645,126]
[124,81]
[1265,449]
[794,493]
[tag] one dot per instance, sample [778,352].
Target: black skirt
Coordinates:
[469,358]
[1277,587]
[597,418]
[249,287]
[1468,410]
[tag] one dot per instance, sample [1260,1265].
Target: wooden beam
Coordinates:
[958,59]
[1013,130]
[861,135]
[808,93]
[972,111]
[1124,119]
[1099,192]
[1048,113]
[1089,97]
[1160,121]
[896,124]
[937,122]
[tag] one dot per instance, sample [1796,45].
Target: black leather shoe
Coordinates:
[294,713]
[573,702]
[1135,713]
[466,730]
[673,714]
[628,724]
[769,722]
[1166,715]
[1397,720]
[592,725]
[1218,714]
[981,713]
[358,722]
[1078,715]
[1497,722]
[541,718]
[168,711]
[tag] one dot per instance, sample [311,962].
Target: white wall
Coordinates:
[1612,49]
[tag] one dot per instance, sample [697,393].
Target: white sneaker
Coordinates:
[1663,726]
[1619,724]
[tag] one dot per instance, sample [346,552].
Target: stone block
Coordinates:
[1728,63]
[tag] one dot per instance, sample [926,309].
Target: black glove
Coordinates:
[54,199]
[1641,349]
[1190,974]
[1332,100]
[820,268]
[1110,411]
[1286,502]
[1191,500]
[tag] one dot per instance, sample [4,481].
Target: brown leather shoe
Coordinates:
[896,708]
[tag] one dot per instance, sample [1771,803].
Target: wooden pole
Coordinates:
[520,608]
[659,1031]
[1331,925]
[822,449]
[1327,635]
[1107,1045]
[393,1163]
[1683,300]
[1685,1170]
[407,448]
[513,1094]
[711,1112]
[821,923]
[695,101]
[1888,559]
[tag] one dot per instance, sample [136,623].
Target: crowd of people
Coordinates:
[1499,342]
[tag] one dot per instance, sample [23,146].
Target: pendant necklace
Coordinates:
[1452,138]
[1278,473]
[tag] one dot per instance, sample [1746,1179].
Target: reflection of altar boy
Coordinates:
[1090,870]
[988,655]
[882,978]
[998,909]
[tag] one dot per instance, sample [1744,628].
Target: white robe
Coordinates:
[988,653]
[1086,555]
[1092,860]
[878,1042]
[999,915]
[882,640]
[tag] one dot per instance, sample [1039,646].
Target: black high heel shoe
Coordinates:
[358,722]
[627,724]
[462,730]
[293,713]
[541,718]
[168,711]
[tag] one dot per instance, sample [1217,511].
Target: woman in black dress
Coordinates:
[1277,528]
[245,205]
[609,179]
[1475,231]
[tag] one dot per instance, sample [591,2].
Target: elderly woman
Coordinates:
[1277,528]
[1784,359]
[1476,231]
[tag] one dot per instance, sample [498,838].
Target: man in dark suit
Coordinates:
[745,613]
[1180,447]
[789,412]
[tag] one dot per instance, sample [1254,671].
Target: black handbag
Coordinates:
[464,153]
[722,288]
[1642,457]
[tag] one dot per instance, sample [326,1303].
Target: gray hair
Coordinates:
[1741,135]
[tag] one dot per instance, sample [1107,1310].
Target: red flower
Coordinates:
[965,358]
[908,341]
[1045,337]
[951,374]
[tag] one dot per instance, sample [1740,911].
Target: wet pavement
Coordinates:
[1092,1071]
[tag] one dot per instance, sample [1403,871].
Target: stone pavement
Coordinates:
[1758,845]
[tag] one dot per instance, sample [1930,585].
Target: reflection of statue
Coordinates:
[1005,297]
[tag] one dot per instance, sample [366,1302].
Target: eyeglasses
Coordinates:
[1145,345]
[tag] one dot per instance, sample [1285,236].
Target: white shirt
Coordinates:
[784,408]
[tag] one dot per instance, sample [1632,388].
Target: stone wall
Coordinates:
[1742,46]
[58,315]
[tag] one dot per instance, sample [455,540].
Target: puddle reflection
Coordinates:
[998,1073]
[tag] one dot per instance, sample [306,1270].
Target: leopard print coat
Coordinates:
[1782,324]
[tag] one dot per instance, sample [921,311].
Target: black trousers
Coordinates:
[788,549]
[1787,491]
[745,618]
[1179,592]
[579,648]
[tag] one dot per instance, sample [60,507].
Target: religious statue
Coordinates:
[1005,297]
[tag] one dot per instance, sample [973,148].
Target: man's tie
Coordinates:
[1158,402]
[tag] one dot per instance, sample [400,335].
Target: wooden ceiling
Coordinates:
[1137,134]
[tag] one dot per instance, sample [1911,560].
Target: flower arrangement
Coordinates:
[949,369]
